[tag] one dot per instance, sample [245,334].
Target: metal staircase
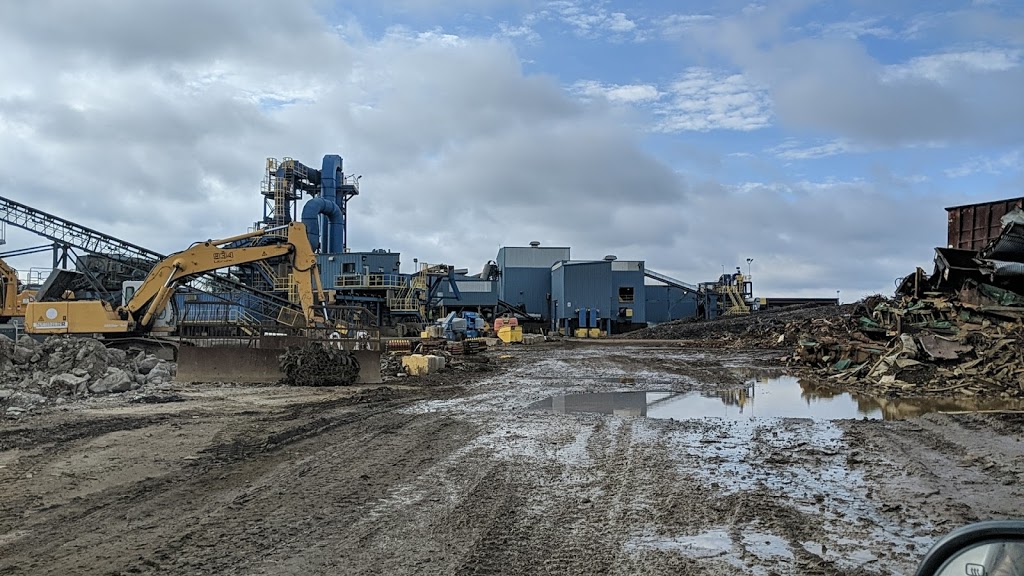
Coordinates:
[68,233]
[736,305]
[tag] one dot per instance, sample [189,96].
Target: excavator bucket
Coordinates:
[369,366]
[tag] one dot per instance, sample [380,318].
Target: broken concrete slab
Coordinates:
[115,380]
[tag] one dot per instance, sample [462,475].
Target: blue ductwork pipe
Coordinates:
[311,219]
[331,177]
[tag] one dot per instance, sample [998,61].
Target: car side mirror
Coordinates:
[991,548]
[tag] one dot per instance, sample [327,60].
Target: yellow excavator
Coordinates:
[12,302]
[142,306]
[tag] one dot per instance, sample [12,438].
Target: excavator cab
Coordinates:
[166,321]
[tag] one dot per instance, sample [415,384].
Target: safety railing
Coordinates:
[377,280]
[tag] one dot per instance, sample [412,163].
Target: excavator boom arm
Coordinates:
[158,288]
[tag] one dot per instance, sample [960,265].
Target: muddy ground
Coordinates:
[463,477]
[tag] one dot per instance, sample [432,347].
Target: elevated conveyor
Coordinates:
[670,281]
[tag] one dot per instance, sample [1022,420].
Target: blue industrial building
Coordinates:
[613,288]
[524,277]
[666,303]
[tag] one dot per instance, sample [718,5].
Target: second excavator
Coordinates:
[13,300]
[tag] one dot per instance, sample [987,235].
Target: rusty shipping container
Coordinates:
[972,226]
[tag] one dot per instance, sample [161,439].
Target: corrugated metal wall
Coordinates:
[530,257]
[333,265]
[526,276]
[527,286]
[666,303]
[580,285]
[972,226]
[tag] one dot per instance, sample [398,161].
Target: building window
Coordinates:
[348,268]
[625,294]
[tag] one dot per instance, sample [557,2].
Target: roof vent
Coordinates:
[611,258]
[535,244]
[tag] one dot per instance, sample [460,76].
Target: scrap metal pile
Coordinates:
[957,331]
[318,365]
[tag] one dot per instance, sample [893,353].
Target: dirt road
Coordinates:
[470,479]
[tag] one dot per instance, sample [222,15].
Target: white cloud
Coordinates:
[855,29]
[619,23]
[944,68]
[794,149]
[702,99]
[521,32]
[836,86]
[1012,161]
[675,25]
[617,93]
[444,128]
[591,20]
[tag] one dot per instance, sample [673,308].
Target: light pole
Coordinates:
[749,260]
[837,297]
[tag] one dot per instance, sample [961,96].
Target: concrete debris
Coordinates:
[34,373]
[317,365]
[115,380]
[148,364]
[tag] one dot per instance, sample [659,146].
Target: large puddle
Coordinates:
[781,397]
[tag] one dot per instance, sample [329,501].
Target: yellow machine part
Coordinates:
[582,333]
[511,334]
[596,333]
[74,317]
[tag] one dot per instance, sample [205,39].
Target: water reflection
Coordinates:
[783,396]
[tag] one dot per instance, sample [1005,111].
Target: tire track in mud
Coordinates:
[715,517]
[952,470]
[31,435]
[160,517]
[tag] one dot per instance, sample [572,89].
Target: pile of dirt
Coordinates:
[318,365]
[920,346]
[34,373]
[758,330]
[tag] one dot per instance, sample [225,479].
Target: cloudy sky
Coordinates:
[823,140]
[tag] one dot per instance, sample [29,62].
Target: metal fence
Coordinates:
[209,324]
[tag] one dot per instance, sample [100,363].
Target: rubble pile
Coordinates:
[34,373]
[940,344]
[957,331]
[318,365]
[760,330]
